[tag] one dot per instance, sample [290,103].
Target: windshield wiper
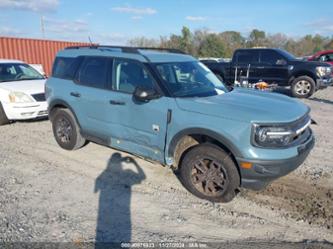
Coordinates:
[21,79]
[29,79]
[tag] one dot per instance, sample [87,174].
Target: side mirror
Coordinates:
[144,95]
[281,62]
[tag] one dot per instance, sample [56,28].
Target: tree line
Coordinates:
[203,43]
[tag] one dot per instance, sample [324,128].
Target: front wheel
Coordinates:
[303,87]
[209,173]
[3,117]
[66,130]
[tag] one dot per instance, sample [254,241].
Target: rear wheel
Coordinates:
[3,117]
[303,87]
[209,173]
[66,130]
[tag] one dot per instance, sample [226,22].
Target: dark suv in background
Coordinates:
[275,66]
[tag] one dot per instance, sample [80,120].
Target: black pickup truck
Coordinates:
[274,66]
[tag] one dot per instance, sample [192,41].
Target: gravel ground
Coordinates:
[48,194]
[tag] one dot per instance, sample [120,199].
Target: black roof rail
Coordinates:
[128,49]
[81,46]
[170,50]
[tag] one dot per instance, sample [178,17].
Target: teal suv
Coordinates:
[168,107]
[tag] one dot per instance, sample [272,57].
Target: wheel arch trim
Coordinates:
[301,73]
[201,131]
[58,102]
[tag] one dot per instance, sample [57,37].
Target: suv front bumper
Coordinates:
[324,82]
[265,171]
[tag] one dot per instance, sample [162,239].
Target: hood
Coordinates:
[25,86]
[310,63]
[247,105]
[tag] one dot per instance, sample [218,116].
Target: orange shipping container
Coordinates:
[33,51]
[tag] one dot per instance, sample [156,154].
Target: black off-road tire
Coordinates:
[64,122]
[223,168]
[303,87]
[3,118]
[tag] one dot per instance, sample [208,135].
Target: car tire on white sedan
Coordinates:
[3,117]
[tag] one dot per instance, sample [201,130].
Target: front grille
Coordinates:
[40,97]
[42,113]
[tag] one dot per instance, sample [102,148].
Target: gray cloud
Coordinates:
[136,17]
[324,26]
[64,26]
[196,18]
[9,31]
[136,11]
[30,5]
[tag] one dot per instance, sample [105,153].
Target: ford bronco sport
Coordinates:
[168,107]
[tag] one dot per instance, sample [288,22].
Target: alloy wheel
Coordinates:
[303,87]
[208,176]
[64,130]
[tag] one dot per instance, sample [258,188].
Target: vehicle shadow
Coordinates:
[287,92]
[114,186]
[39,119]
[326,101]
[282,90]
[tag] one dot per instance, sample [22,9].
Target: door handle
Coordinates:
[115,102]
[76,94]
[260,67]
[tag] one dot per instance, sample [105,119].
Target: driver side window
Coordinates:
[128,75]
[271,58]
[8,72]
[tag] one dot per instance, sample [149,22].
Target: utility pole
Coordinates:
[42,28]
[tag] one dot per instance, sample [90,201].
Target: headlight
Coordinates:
[19,97]
[265,136]
[323,71]
[282,135]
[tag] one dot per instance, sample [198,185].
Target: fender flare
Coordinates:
[58,102]
[202,131]
[300,73]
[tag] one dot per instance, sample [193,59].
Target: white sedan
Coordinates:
[22,94]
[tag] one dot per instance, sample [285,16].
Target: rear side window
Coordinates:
[247,57]
[130,74]
[93,72]
[65,67]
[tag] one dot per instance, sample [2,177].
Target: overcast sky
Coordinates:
[115,21]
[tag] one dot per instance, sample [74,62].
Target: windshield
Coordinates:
[288,55]
[190,79]
[17,71]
